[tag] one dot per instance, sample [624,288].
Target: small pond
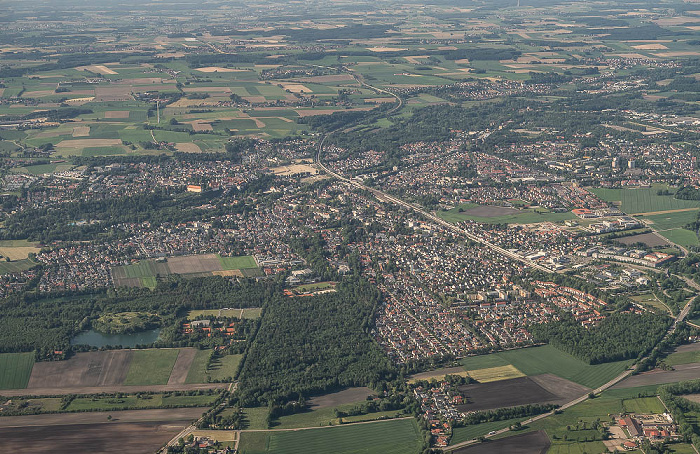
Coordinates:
[97,339]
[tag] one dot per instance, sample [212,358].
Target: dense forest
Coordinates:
[311,345]
[619,337]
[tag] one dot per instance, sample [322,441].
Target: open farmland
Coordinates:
[529,443]
[128,431]
[484,375]
[151,367]
[15,369]
[581,437]
[499,215]
[548,359]
[145,272]
[644,200]
[106,368]
[246,313]
[538,389]
[386,437]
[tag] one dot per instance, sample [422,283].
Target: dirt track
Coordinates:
[182,366]
[107,389]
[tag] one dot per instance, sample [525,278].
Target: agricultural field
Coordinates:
[460,434]
[685,354]
[107,368]
[151,367]
[246,313]
[681,237]
[546,388]
[646,200]
[15,266]
[500,215]
[221,369]
[485,375]
[126,431]
[571,430]
[17,249]
[146,272]
[388,437]
[547,359]
[15,369]
[139,401]
[326,417]
[532,442]
[648,299]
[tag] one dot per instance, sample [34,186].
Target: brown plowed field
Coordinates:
[109,389]
[682,372]
[529,443]
[127,432]
[182,366]
[346,396]
[194,264]
[106,368]
[540,389]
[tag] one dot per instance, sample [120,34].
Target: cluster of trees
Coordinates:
[502,414]
[312,345]
[681,407]
[41,323]
[48,224]
[619,337]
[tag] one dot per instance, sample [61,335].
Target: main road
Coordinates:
[415,208]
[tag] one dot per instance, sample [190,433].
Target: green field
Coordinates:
[681,237]
[571,432]
[221,369]
[671,220]
[326,417]
[237,263]
[548,359]
[674,359]
[248,313]
[649,299]
[15,266]
[460,434]
[644,200]
[385,437]
[151,367]
[15,369]
[526,216]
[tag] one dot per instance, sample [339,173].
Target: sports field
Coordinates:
[151,367]
[382,437]
[15,369]
[644,200]
[548,359]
